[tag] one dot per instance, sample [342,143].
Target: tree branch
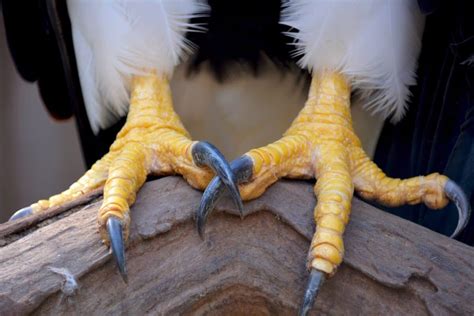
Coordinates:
[255,265]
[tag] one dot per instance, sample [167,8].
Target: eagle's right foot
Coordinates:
[321,143]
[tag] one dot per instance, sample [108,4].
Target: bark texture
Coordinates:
[253,266]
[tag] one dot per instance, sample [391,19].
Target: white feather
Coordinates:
[375,43]
[115,39]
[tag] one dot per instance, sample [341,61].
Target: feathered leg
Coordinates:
[152,141]
[321,143]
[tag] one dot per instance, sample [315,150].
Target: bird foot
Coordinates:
[152,142]
[321,143]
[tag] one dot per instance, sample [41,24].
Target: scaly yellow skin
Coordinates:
[152,141]
[321,143]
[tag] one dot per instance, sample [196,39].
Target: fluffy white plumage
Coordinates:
[374,42]
[115,39]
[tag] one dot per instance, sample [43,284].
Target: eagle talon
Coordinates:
[206,154]
[21,213]
[114,230]
[457,195]
[316,279]
[242,171]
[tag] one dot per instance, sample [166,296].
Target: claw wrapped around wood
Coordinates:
[321,143]
[152,141]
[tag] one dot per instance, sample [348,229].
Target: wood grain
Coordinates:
[254,266]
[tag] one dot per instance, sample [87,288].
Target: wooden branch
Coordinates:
[250,266]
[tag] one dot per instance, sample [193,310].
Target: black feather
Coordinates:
[34,49]
[241,33]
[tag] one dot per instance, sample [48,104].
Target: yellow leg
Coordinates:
[152,141]
[315,145]
[321,143]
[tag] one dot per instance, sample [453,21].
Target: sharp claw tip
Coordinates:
[123,271]
[200,227]
[237,200]
[124,277]
[114,229]
[315,281]
[241,213]
[240,206]
[456,194]
[21,213]
[205,154]
[201,235]
[242,167]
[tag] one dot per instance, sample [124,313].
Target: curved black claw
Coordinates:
[456,194]
[21,213]
[205,154]
[316,279]
[114,229]
[242,170]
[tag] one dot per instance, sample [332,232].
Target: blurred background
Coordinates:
[38,156]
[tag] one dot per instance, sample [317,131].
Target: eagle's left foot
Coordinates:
[153,141]
[321,143]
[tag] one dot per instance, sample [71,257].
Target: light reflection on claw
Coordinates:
[316,279]
[205,154]
[457,195]
[114,230]
[21,213]
[242,171]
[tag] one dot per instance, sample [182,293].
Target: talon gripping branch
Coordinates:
[126,53]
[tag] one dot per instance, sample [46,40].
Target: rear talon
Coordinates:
[114,231]
[153,141]
[205,154]
[316,279]
[457,195]
[242,172]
